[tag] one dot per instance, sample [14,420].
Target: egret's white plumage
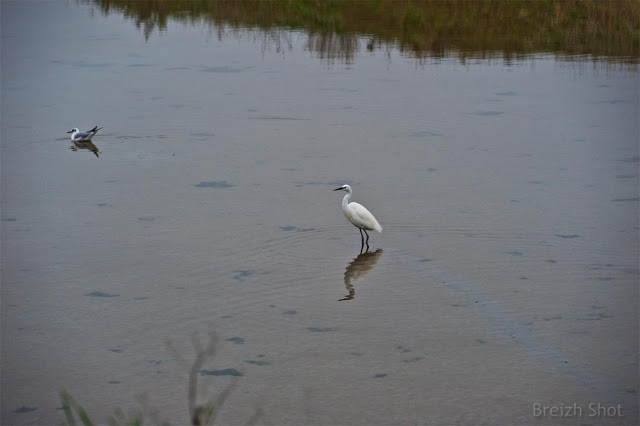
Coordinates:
[78,136]
[358,215]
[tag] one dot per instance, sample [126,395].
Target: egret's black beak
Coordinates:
[338,189]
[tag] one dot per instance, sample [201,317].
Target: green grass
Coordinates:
[602,28]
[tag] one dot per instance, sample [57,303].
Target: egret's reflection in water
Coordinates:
[88,145]
[358,269]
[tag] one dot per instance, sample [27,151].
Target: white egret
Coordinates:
[358,215]
[78,136]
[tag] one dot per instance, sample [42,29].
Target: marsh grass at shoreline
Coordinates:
[602,30]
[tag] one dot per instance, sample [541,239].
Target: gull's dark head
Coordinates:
[74,130]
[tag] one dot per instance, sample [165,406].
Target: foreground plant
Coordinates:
[199,413]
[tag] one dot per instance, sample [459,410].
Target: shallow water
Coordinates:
[507,273]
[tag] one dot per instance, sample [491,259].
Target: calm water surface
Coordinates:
[506,275]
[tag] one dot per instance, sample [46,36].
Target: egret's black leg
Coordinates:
[361,239]
[365,231]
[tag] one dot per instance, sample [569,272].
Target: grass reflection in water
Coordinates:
[608,30]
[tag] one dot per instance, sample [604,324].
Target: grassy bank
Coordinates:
[605,29]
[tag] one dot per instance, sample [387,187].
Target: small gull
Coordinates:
[78,136]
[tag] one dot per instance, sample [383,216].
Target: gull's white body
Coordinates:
[78,136]
[358,215]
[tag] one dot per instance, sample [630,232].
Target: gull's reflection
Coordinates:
[88,145]
[358,269]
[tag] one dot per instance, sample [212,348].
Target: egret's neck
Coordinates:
[345,200]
